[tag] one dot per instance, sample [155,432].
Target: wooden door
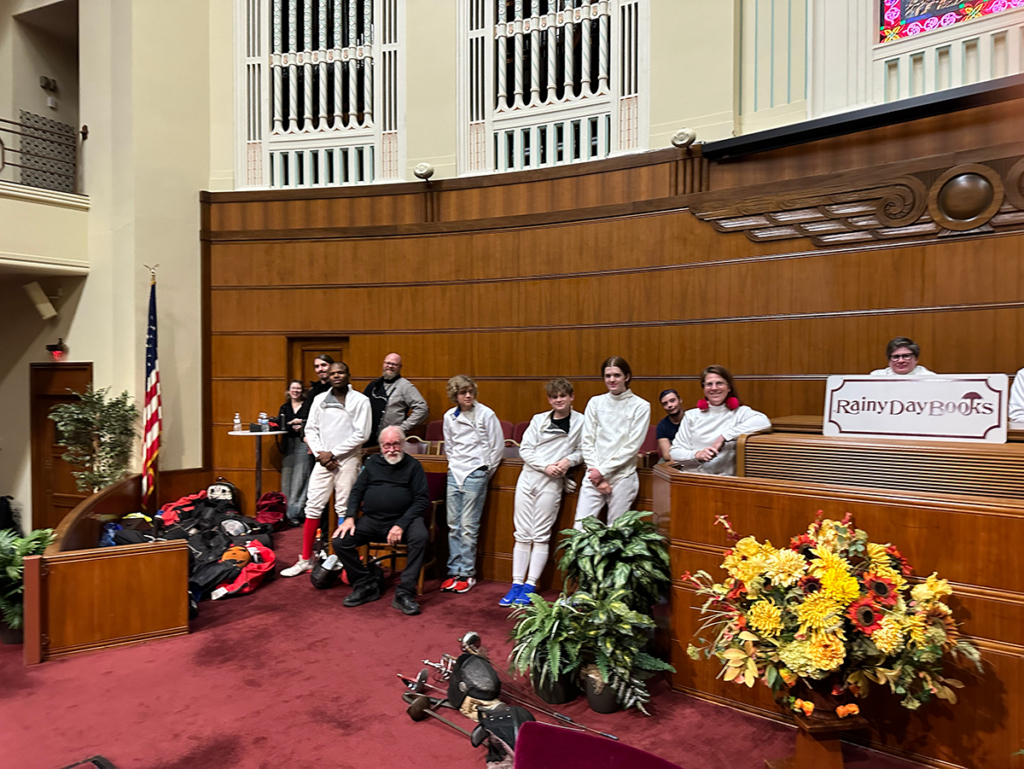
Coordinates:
[54,493]
[303,352]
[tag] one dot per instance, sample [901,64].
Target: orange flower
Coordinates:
[847,710]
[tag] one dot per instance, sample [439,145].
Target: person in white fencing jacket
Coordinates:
[550,448]
[614,427]
[337,428]
[706,441]
[474,444]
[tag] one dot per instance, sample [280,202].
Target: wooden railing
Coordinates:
[80,597]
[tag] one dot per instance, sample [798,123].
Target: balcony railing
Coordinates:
[38,152]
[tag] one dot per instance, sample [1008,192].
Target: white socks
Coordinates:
[538,560]
[520,561]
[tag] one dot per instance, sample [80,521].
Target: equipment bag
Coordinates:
[270,509]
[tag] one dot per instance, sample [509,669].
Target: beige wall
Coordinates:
[156,116]
[430,90]
[692,69]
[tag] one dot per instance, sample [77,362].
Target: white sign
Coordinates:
[959,407]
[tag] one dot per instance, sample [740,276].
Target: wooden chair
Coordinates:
[382,551]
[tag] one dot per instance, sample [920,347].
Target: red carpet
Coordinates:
[288,677]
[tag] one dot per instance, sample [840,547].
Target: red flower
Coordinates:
[905,567]
[736,591]
[881,589]
[865,615]
[802,544]
[809,584]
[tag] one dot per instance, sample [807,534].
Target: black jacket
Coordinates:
[391,494]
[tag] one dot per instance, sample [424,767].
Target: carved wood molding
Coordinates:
[978,191]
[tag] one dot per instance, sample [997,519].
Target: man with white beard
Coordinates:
[391,491]
[394,400]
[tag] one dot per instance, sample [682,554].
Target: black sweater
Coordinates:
[394,494]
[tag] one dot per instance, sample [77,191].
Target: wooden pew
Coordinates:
[80,597]
[972,541]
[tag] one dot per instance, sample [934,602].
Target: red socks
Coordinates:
[308,535]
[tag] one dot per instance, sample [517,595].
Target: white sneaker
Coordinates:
[301,567]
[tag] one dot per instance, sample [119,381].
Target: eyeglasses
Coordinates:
[391,445]
[902,356]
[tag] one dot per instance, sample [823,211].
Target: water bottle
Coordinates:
[263,421]
[238,423]
[331,563]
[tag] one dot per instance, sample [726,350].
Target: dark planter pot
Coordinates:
[9,636]
[604,702]
[558,692]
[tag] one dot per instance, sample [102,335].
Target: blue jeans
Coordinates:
[295,470]
[465,507]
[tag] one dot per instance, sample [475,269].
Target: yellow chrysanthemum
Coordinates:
[785,567]
[826,651]
[817,612]
[889,637]
[765,617]
[892,575]
[840,586]
[878,557]
[828,537]
[825,561]
[796,657]
[916,625]
[940,588]
[768,550]
[748,547]
[750,568]
[731,561]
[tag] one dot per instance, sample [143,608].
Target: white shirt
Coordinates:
[1017,398]
[699,429]
[918,371]
[545,444]
[339,429]
[614,428]
[472,443]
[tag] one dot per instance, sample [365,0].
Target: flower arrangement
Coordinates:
[830,609]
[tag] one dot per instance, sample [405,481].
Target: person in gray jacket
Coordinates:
[394,400]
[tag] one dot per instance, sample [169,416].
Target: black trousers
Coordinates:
[370,530]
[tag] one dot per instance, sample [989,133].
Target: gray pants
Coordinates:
[295,470]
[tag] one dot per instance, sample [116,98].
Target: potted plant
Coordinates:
[13,550]
[822,618]
[97,435]
[630,555]
[546,645]
[603,635]
[615,637]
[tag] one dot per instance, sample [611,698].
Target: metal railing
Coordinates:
[38,157]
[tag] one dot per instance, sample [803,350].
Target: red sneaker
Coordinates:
[448,585]
[464,585]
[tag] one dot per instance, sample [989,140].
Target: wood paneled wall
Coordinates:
[514,279]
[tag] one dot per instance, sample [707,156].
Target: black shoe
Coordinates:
[364,593]
[405,603]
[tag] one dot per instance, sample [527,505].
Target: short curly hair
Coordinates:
[457,384]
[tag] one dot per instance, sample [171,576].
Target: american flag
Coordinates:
[152,414]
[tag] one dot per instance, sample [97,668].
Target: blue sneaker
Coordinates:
[523,598]
[511,595]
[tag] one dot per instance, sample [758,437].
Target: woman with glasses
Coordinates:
[296,459]
[706,441]
[902,354]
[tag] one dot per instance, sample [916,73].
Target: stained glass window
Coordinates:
[906,18]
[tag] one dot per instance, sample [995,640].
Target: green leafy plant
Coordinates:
[13,551]
[546,639]
[97,434]
[630,555]
[554,639]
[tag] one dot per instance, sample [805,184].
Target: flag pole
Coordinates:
[152,412]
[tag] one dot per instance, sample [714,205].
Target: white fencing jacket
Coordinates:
[341,430]
[472,443]
[699,429]
[918,371]
[1017,398]
[544,444]
[614,428]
